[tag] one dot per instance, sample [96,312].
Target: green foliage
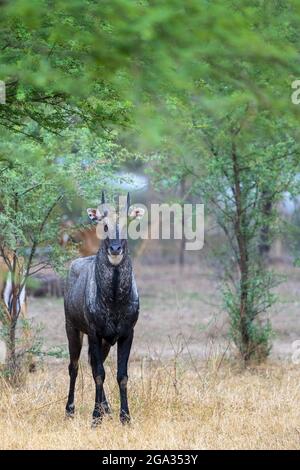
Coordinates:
[28,199]
[259,328]
[53,79]
[63,67]
[90,162]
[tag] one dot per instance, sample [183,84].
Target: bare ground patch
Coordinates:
[181,311]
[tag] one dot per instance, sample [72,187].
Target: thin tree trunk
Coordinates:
[11,360]
[240,231]
[265,242]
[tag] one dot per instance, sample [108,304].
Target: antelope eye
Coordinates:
[105,228]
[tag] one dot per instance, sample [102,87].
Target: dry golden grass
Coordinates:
[172,408]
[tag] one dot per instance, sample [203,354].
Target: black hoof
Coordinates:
[70,411]
[96,422]
[125,418]
[98,414]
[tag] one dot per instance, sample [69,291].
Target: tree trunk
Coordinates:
[265,242]
[241,236]
[11,359]
[13,315]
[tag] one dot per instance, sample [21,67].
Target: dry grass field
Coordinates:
[186,390]
[207,408]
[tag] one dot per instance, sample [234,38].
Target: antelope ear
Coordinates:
[136,213]
[93,214]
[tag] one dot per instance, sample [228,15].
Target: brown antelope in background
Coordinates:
[85,237]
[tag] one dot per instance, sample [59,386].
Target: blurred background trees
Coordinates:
[194,94]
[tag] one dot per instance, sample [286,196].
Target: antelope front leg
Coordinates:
[124,347]
[105,351]
[99,377]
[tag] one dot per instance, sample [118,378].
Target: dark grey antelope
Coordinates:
[101,301]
